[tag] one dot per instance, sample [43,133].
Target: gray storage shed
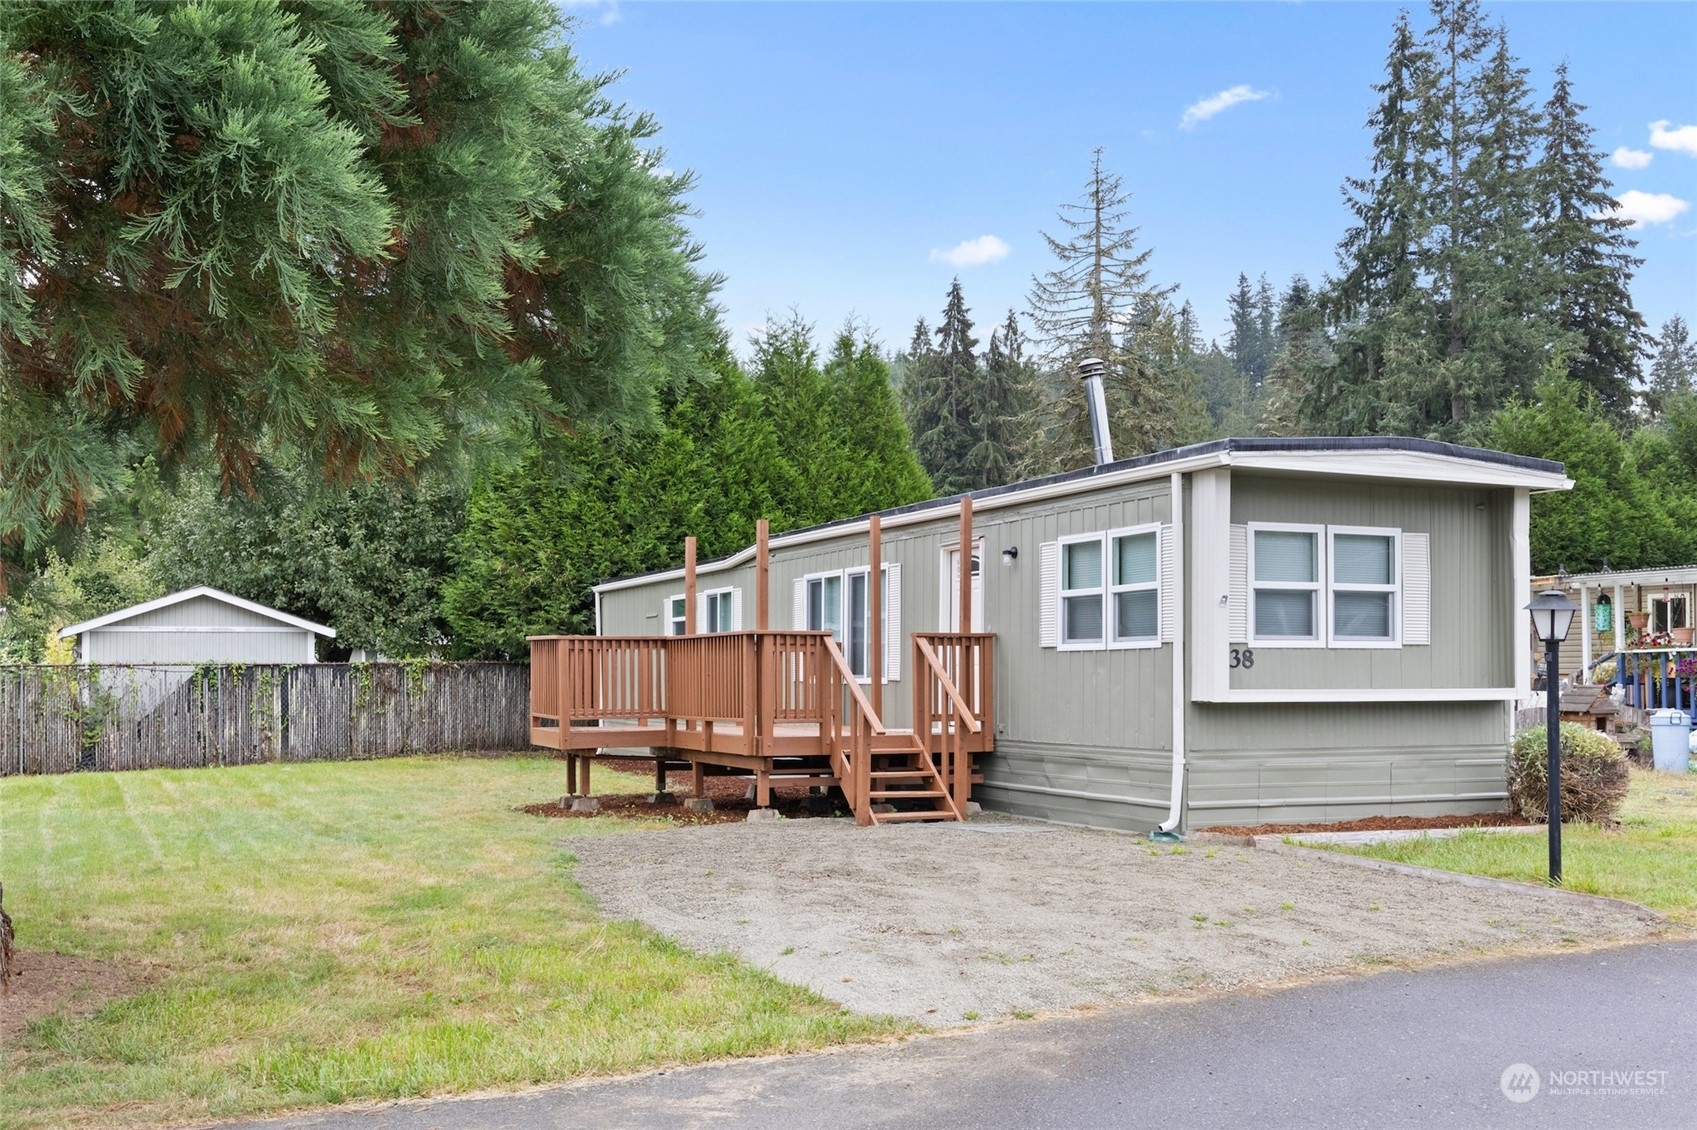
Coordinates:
[1240,631]
[198,625]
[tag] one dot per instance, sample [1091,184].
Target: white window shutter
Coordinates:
[1169,586]
[701,625]
[1416,590]
[893,618]
[800,621]
[736,610]
[666,616]
[1237,606]
[1048,594]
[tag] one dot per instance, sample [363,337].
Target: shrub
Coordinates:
[1594,775]
[1604,673]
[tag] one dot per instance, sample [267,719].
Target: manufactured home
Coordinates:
[1637,624]
[1240,631]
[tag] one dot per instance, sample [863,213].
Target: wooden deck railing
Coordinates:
[1655,678]
[847,729]
[953,697]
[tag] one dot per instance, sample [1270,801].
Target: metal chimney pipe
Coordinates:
[1091,370]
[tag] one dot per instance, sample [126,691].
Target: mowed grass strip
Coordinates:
[1651,858]
[322,933]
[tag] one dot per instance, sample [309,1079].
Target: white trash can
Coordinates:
[1670,740]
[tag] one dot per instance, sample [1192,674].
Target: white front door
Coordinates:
[951,583]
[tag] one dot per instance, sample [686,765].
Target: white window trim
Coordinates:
[843,613]
[1333,640]
[1321,600]
[1110,614]
[1063,594]
[1672,600]
[706,598]
[671,620]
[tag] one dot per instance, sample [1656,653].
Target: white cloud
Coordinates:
[1224,100]
[604,12]
[1682,138]
[1648,207]
[973,252]
[1626,158]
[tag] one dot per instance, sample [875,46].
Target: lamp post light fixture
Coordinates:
[1552,615]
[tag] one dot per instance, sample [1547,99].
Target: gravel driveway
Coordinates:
[952,923]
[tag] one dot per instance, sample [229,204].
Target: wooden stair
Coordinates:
[904,774]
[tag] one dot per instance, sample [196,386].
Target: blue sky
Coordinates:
[845,150]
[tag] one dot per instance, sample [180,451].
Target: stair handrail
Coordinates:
[941,674]
[853,764]
[957,761]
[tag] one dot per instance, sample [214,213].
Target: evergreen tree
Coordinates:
[879,467]
[1245,343]
[1079,309]
[1003,396]
[369,232]
[1586,246]
[1304,351]
[1673,370]
[939,402]
[1612,510]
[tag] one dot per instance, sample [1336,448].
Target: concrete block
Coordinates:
[762,815]
[881,809]
[585,804]
[973,808]
[663,798]
[699,804]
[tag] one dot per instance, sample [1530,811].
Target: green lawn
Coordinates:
[1651,858]
[325,933]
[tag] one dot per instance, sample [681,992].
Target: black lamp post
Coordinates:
[1552,615]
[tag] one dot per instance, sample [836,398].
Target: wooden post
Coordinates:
[875,614]
[689,588]
[762,576]
[966,564]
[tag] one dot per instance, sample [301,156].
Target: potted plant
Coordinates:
[1681,637]
[1638,620]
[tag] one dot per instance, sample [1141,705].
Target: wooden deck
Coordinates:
[773,705]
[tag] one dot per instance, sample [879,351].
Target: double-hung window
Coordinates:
[676,615]
[1284,578]
[1364,587]
[1082,592]
[1135,587]
[825,604]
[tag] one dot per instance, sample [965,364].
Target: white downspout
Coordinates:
[1176,803]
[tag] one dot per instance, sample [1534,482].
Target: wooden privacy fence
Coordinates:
[109,716]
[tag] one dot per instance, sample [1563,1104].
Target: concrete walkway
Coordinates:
[1427,1048]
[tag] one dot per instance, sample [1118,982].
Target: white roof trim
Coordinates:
[189,594]
[1416,466]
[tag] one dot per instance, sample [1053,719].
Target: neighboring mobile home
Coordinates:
[1240,631]
[198,625]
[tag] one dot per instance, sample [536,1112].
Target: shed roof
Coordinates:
[189,594]
[1659,575]
[1362,457]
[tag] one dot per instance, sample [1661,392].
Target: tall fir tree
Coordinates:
[1244,343]
[1002,397]
[1587,248]
[1673,367]
[1080,309]
[940,406]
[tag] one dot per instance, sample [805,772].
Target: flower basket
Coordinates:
[1680,636]
[1638,620]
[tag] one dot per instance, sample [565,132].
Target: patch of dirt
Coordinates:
[47,983]
[1377,824]
[730,804]
[953,923]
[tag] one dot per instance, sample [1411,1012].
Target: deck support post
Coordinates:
[875,613]
[689,587]
[762,575]
[965,564]
[698,779]
[762,789]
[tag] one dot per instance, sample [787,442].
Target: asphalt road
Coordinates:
[1427,1048]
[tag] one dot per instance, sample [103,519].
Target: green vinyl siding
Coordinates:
[1472,584]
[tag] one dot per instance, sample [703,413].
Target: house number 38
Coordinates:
[1243,657]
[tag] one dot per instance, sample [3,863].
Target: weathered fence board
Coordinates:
[107,716]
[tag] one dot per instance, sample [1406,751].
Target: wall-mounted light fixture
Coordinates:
[1010,555]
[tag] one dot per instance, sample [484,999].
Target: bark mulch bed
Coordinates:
[730,805]
[1377,824]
